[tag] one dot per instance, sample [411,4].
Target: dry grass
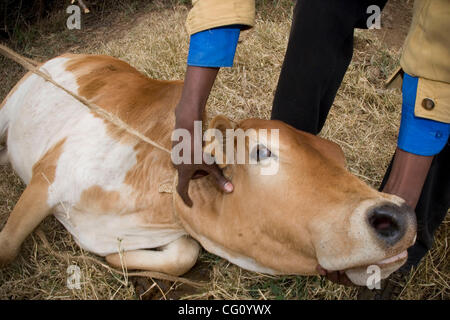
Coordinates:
[364,121]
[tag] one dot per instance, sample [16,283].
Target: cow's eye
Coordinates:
[260,152]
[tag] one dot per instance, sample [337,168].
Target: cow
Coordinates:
[106,186]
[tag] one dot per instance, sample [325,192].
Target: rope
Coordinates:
[32,66]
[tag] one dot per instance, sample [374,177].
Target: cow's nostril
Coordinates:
[388,223]
[384,225]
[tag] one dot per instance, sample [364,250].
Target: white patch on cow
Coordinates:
[39,114]
[17,105]
[107,234]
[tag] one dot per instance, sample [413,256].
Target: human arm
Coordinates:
[209,50]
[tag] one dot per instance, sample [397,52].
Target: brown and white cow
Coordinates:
[104,185]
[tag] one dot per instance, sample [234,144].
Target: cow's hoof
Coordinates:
[6,259]
[7,255]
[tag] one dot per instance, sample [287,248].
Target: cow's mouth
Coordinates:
[360,275]
[386,263]
[395,259]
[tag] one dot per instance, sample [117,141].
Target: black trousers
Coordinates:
[319,51]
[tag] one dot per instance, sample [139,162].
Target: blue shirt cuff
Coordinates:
[214,47]
[419,136]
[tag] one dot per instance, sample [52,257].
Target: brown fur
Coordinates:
[137,99]
[99,201]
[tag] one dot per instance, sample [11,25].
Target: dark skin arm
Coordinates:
[197,87]
[408,175]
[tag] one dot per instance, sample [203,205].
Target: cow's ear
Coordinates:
[329,150]
[221,123]
[216,138]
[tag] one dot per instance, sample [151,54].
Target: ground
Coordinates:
[364,121]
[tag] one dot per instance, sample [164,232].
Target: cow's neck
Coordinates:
[231,228]
[205,222]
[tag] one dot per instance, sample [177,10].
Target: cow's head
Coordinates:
[311,211]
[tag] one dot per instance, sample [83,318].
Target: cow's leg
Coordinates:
[29,211]
[175,258]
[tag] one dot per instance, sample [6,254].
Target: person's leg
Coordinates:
[319,51]
[343,58]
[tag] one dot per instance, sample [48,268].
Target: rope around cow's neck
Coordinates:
[33,66]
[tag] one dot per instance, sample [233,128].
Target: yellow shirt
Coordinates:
[207,14]
[426,54]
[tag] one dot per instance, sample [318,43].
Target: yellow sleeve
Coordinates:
[207,14]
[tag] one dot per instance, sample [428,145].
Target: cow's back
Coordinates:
[40,115]
[99,170]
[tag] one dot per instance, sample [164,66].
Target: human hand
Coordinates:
[186,172]
[193,170]
[197,86]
